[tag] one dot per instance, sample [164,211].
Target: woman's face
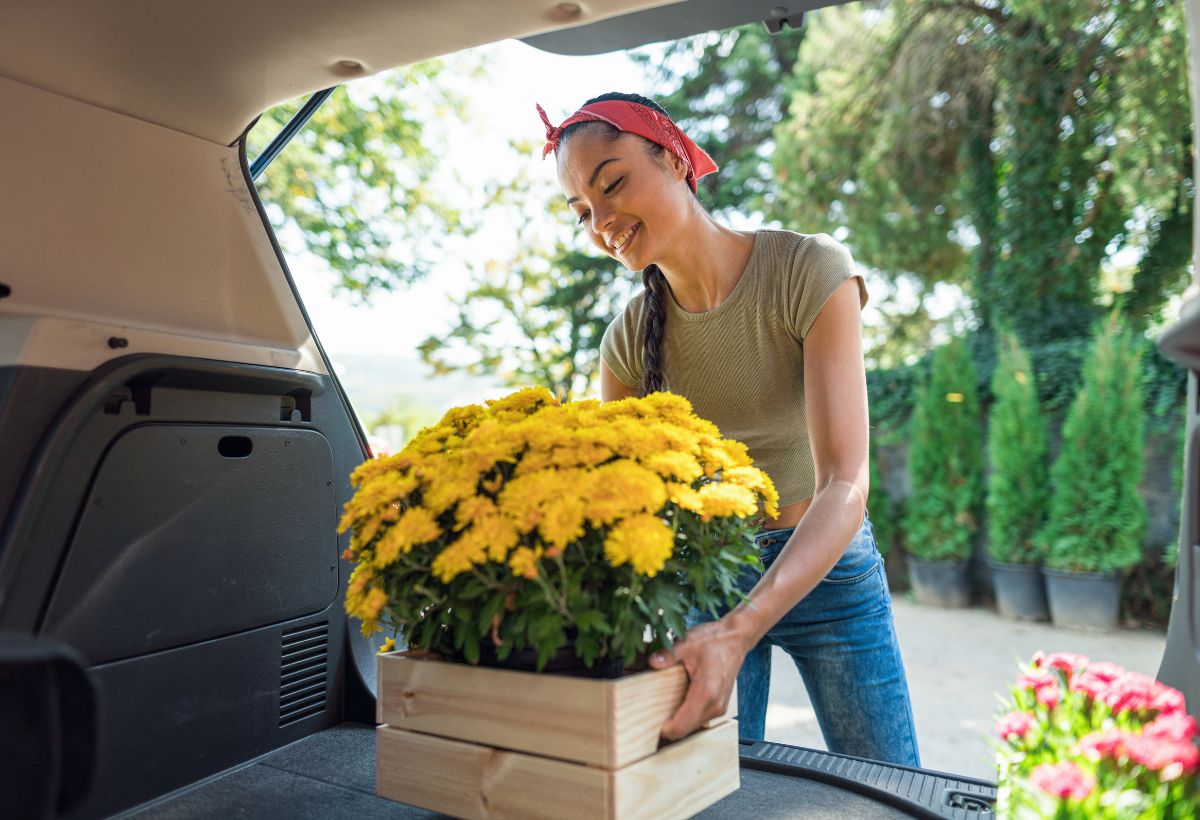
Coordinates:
[633,204]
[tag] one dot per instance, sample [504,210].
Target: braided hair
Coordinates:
[654,321]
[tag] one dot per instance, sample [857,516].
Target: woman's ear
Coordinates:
[676,165]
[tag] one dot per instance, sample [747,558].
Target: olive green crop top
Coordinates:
[741,364]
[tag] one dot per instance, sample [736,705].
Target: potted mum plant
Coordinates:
[547,537]
[530,525]
[1083,739]
[1016,486]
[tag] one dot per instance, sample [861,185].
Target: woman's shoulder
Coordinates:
[799,256]
[808,243]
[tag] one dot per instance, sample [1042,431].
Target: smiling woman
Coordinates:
[746,325]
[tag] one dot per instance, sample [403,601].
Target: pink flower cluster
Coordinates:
[1015,724]
[1107,683]
[1165,746]
[1063,780]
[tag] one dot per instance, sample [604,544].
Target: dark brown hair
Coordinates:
[654,321]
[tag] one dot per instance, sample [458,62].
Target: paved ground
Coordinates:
[954,704]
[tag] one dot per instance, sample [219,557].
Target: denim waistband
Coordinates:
[768,537]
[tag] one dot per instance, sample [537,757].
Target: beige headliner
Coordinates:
[207,68]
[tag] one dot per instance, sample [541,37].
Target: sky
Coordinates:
[502,108]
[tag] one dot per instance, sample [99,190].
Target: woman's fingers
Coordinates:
[709,685]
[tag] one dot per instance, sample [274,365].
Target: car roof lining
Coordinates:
[208,69]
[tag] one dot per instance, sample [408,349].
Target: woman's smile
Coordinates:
[620,243]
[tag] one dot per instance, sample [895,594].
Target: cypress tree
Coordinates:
[1017,485]
[1097,518]
[945,460]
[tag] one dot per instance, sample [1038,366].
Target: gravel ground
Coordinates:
[957,661]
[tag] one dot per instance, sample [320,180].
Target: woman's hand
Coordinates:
[712,654]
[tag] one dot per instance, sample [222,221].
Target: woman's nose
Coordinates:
[601,220]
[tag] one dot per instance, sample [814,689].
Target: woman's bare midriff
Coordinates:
[789,516]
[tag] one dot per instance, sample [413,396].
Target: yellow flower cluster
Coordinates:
[518,481]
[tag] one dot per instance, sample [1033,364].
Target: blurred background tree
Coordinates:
[537,316]
[357,180]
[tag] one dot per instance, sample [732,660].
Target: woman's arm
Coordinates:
[611,387]
[835,392]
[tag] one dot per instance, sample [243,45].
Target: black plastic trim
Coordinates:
[844,772]
[360,687]
[142,369]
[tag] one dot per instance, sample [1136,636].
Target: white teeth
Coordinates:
[623,237]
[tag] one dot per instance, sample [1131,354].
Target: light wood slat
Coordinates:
[472,781]
[609,723]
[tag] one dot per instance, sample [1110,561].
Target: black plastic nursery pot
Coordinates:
[940,583]
[1083,600]
[1020,591]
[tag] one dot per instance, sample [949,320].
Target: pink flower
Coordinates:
[1048,696]
[1063,780]
[1067,662]
[1169,758]
[1044,686]
[1015,723]
[1168,701]
[1172,726]
[1107,743]
[1132,692]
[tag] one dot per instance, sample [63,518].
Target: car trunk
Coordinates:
[176,450]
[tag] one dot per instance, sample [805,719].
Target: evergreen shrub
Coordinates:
[1097,518]
[945,460]
[1016,450]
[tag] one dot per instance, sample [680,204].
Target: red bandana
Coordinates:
[640,120]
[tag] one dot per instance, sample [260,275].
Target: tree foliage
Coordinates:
[1016,450]
[1097,518]
[536,315]
[1011,148]
[358,180]
[945,461]
[726,90]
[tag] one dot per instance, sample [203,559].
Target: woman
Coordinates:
[760,331]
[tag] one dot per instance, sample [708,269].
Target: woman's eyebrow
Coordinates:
[595,173]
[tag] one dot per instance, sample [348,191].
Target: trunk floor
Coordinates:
[332,774]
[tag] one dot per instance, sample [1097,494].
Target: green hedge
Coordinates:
[1059,368]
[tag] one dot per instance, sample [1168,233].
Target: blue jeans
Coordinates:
[843,641]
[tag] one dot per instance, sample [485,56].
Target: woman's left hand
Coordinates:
[712,654]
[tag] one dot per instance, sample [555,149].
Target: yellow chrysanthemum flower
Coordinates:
[389,645]
[377,493]
[673,464]
[364,599]
[416,526]
[755,479]
[619,489]
[727,499]
[684,496]
[524,562]
[524,401]
[563,521]
[456,483]
[643,541]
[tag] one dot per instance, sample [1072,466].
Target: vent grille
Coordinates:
[303,668]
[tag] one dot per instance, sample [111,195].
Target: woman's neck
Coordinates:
[706,265]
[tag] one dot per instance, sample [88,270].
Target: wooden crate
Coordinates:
[609,723]
[473,781]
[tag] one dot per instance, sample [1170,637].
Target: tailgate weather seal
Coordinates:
[918,792]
